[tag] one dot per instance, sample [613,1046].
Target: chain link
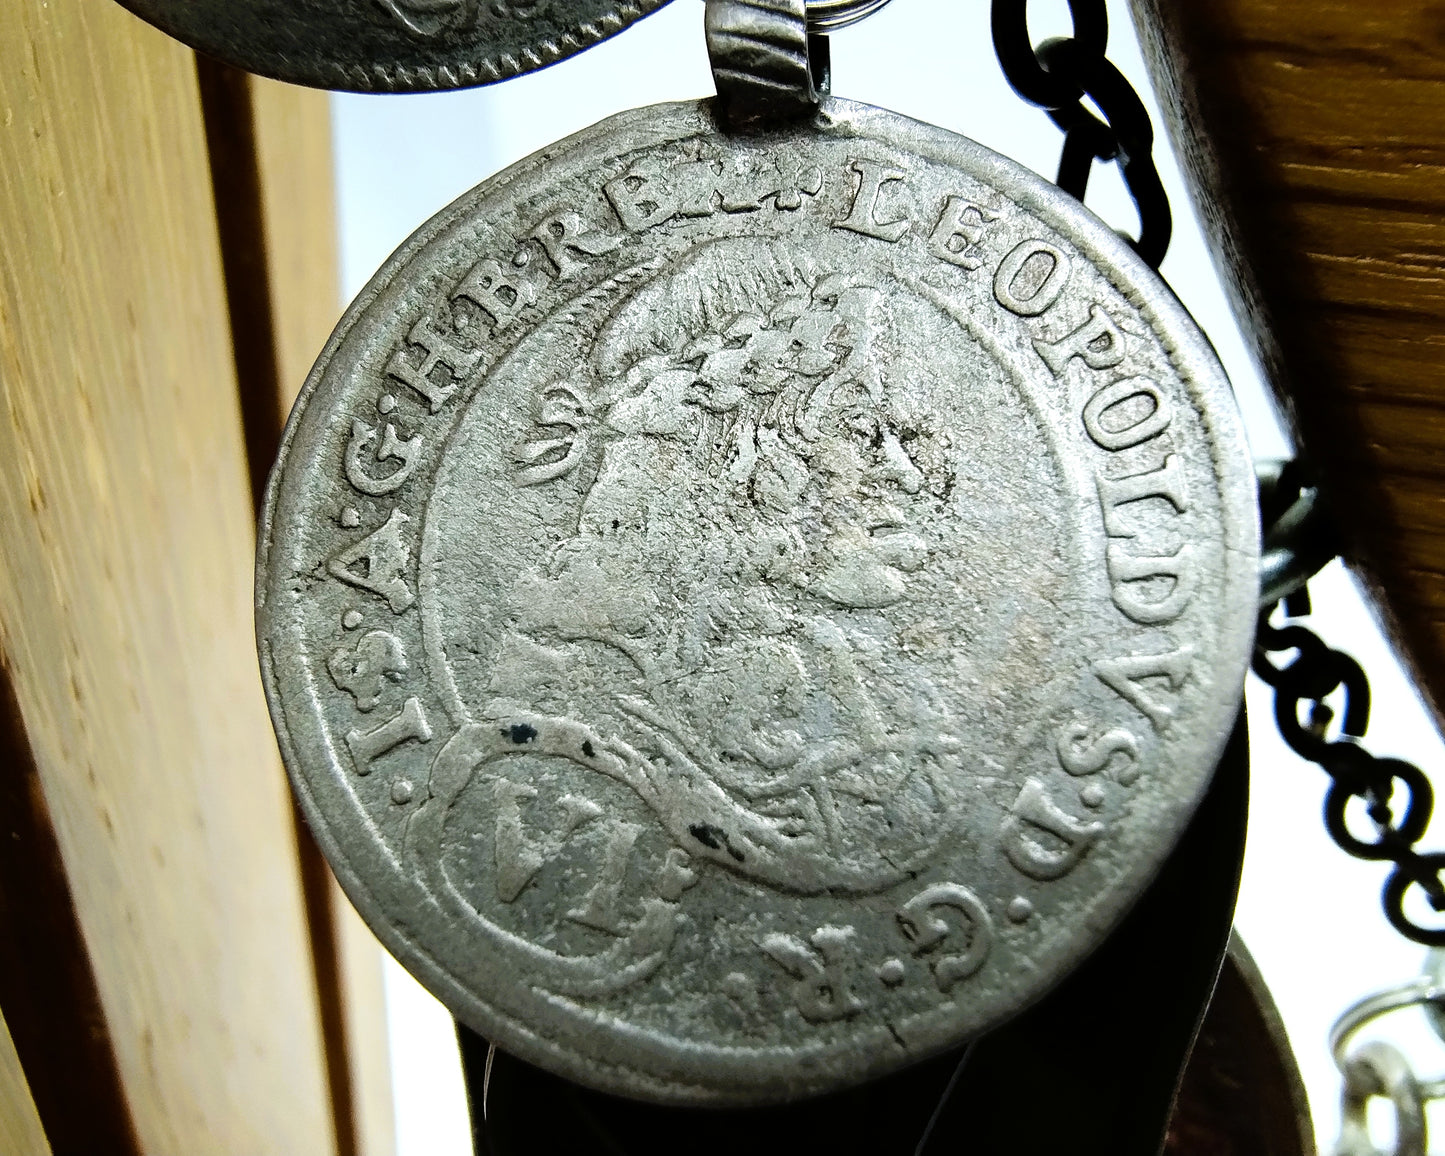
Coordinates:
[1312,675]
[1058,75]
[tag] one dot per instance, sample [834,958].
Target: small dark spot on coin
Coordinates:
[716,838]
[520,733]
[587,749]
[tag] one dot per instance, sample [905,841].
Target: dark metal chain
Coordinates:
[1058,75]
[1301,686]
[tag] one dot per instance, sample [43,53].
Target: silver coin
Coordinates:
[391,45]
[746,612]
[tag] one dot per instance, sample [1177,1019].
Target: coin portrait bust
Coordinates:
[750,485]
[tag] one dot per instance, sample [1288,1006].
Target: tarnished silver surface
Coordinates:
[391,45]
[743,613]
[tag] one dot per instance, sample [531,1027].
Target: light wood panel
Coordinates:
[1314,133]
[125,590]
[298,200]
[21,1133]
[298,214]
[364,1007]
[47,987]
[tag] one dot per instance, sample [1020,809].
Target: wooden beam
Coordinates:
[270,147]
[125,590]
[1314,135]
[47,986]
[21,1133]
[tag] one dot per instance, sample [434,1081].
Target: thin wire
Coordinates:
[833,15]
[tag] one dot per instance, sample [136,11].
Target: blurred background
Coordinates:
[1310,915]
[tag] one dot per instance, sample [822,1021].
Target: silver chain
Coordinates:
[1376,1069]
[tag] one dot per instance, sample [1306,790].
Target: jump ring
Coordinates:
[832,15]
[1377,1069]
[1426,990]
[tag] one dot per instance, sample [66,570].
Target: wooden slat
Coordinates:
[229,108]
[292,138]
[47,986]
[1314,134]
[298,198]
[364,1007]
[21,1133]
[125,588]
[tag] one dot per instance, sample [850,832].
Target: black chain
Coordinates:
[1057,76]
[1314,673]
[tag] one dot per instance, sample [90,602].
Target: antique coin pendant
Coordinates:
[391,45]
[745,611]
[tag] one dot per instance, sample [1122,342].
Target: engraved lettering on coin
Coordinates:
[821,569]
[378,563]
[409,723]
[822,969]
[959,233]
[1098,342]
[1079,754]
[1041,839]
[391,447]
[946,923]
[364,670]
[1030,279]
[863,215]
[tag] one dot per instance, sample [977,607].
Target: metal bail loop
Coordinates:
[765,63]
